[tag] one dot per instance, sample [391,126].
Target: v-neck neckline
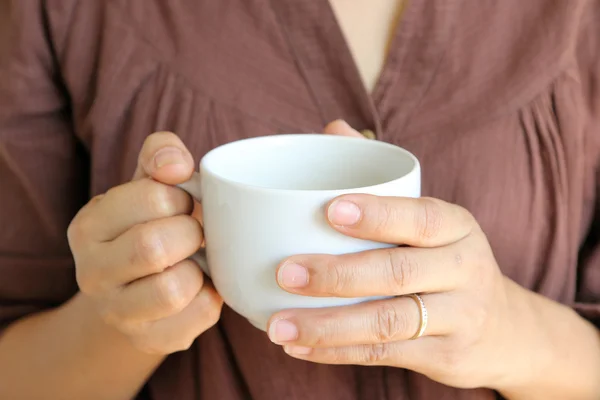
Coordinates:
[325,60]
[390,45]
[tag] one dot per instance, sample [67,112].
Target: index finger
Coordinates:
[418,222]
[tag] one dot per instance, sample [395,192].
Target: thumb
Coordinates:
[341,127]
[164,158]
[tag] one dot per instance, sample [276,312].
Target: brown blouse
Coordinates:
[500,100]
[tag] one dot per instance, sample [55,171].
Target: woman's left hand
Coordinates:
[447,260]
[449,263]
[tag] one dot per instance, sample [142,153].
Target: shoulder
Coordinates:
[525,41]
[504,54]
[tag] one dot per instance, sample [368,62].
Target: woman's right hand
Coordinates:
[131,246]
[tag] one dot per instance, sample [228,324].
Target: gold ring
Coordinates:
[423,312]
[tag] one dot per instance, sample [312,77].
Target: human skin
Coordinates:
[484,330]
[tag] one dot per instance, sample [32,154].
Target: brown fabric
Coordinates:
[500,100]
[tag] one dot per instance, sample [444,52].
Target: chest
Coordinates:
[368,28]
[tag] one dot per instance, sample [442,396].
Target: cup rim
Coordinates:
[205,168]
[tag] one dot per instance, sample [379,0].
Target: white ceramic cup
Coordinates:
[264,199]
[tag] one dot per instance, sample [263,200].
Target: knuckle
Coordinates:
[476,317]
[81,227]
[212,308]
[450,360]
[184,345]
[115,193]
[403,270]
[479,251]
[73,233]
[429,220]
[159,199]
[212,316]
[87,280]
[377,353]
[467,219]
[214,313]
[168,292]
[389,323]
[149,249]
[387,217]
[321,331]
[178,344]
[337,277]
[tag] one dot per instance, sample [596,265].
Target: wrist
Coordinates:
[523,346]
[527,349]
[552,353]
[92,325]
[74,342]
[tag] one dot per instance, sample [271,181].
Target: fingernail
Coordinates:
[297,350]
[282,331]
[293,276]
[168,156]
[343,213]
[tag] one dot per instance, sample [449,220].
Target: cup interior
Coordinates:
[309,162]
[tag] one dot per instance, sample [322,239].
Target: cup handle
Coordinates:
[200,259]
[192,186]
